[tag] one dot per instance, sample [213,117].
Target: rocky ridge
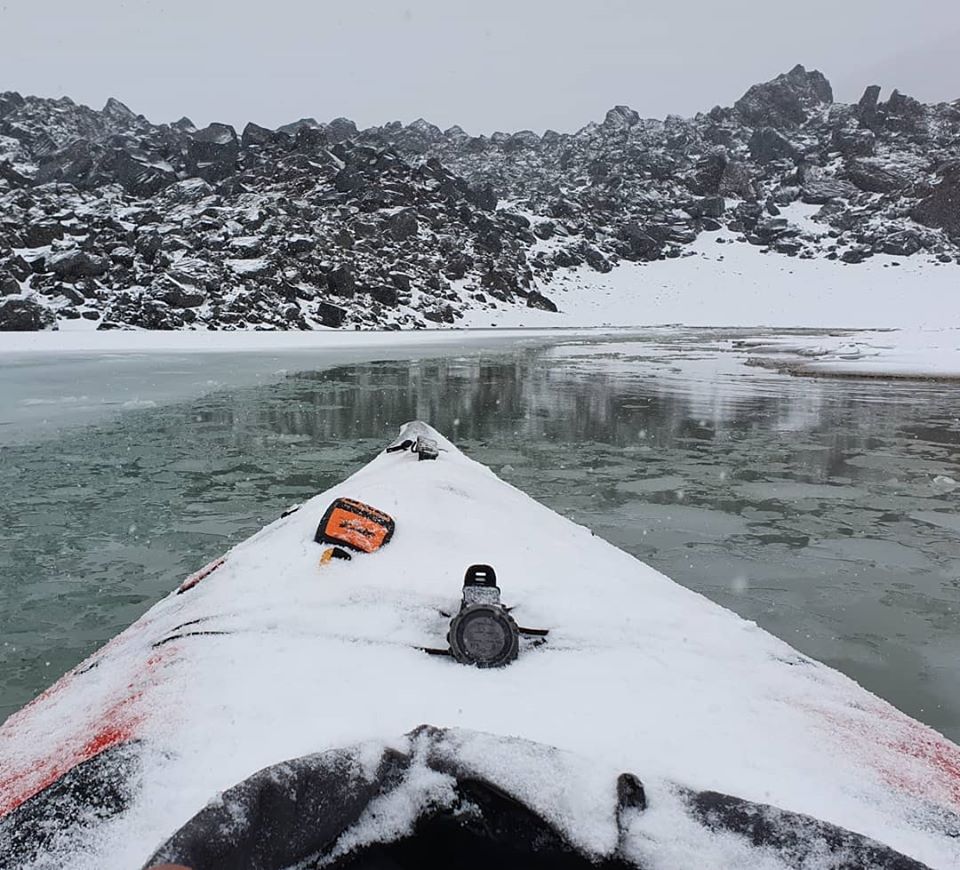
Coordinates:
[107,217]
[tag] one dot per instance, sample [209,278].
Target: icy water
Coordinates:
[824,510]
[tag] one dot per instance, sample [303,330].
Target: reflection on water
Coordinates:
[825,511]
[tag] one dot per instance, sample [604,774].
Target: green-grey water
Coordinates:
[825,511]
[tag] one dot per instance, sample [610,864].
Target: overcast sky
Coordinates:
[486,65]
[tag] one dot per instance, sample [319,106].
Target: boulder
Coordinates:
[385,295]
[767,144]
[941,209]
[10,101]
[148,245]
[342,282]
[867,107]
[854,141]
[902,244]
[787,101]
[856,254]
[74,264]
[18,267]
[544,229]
[213,151]
[903,114]
[403,225]
[39,234]
[620,118]
[8,284]
[595,260]
[254,135]
[872,177]
[25,315]
[638,243]
[181,296]
[140,174]
[535,299]
[341,129]
[708,174]
[817,191]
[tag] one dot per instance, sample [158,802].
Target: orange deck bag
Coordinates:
[356,525]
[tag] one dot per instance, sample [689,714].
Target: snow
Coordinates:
[734,284]
[639,674]
[86,340]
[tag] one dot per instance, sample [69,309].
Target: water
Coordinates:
[824,510]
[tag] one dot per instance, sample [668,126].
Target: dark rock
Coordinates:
[297,126]
[786,101]
[138,173]
[544,230]
[10,101]
[182,296]
[440,314]
[341,129]
[902,244]
[25,315]
[500,284]
[8,284]
[483,197]
[401,281]
[818,191]
[767,144]
[39,234]
[640,245]
[11,176]
[901,113]
[746,214]
[856,254]
[342,282]
[70,293]
[254,135]
[621,118]
[535,299]
[299,245]
[708,173]
[74,264]
[874,178]
[941,209]
[867,107]
[709,206]
[790,247]
[148,245]
[17,267]
[386,295]
[854,141]
[403,225]
[595,260]
[213,152]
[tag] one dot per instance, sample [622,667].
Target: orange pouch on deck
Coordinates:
[355,525]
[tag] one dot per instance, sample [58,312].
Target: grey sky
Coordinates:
[486,65]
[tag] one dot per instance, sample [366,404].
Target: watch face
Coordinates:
[484,637]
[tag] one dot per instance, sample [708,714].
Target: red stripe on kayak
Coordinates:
[119,727]
[935,752]
[197,576]
[118,724]
[909,756]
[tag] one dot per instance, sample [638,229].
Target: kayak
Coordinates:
[424,664]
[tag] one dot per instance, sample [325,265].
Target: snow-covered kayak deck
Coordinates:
[273,656]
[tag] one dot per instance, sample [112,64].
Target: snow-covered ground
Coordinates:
[724,283]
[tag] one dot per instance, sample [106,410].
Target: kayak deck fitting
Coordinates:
[746,752]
